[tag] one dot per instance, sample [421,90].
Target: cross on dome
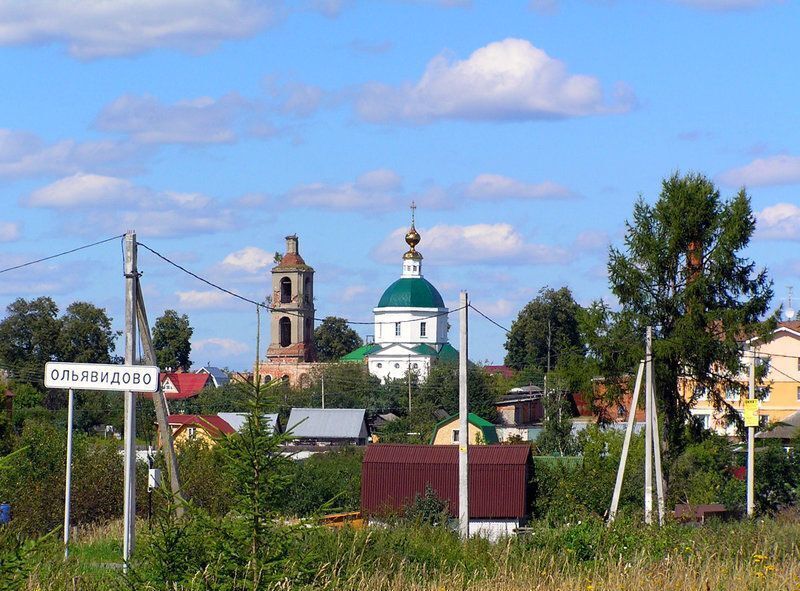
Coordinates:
[412,259]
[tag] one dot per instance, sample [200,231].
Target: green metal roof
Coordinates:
[488,430]
[361,353]
[411,292]
[448,354]
[424,349]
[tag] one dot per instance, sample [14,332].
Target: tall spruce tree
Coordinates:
[683,273]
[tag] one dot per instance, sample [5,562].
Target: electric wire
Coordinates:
[60,254]
[276,309]
[498,325]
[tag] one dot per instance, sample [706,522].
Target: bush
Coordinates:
[330,481]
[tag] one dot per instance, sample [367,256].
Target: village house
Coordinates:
[393,475]
[480,431]
[328,426]
[778,391]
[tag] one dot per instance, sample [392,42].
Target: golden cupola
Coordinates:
[412,239]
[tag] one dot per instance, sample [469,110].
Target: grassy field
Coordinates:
[582,556]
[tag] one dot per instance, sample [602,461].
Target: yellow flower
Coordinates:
[769,568]
[589,587]
[759,558]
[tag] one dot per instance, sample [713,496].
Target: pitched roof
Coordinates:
[787,428]
[219,377]
[362,352]
[503,370]
[448,353]
[327,423]
[187,384]
[212,424]
[237,420]
[487,429]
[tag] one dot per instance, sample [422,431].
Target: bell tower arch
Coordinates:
[292,317]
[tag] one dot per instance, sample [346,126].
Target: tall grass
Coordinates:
[584,556]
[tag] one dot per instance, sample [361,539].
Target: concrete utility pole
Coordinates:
[751,437]
[409,384]
[648,429]
[657,451]
[463,422]
[323,391]
[129,507]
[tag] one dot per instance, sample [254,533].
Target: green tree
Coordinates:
[171,340]
[334,339]
[86,335]
[29,337]
[545,330]
[440,390]
[683,273]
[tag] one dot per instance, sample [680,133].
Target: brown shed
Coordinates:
[393,474]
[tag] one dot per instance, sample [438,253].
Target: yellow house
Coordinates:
[779,390]
[205,428]
[480,431]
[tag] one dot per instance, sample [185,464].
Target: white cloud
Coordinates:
[373,190]
[26,154]
[102,28]
[478,243]
[85,190]
[495,186]
[500,308]
[250,259]
[773,170]
[114,204]
[505,80]
[779,222]
[202,120]
[9,231]
[197,300]
[219,346]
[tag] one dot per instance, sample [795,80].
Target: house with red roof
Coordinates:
[205,428]
[179,385]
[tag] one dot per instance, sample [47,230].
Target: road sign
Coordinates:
[751,412]
[101,376]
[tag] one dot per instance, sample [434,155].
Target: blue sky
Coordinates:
[523,130]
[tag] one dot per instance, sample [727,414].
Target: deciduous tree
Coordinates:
[334,338]
[171,340]
[29,337]
[86,335]
[544,331]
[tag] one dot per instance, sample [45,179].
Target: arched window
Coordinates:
[309,332]
[285,331]
[307,290]
[286,290]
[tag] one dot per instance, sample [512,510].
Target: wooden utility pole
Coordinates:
[463,422]
[159,402]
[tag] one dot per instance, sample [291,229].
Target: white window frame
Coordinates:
[455,435]
[397,329]
[423,330]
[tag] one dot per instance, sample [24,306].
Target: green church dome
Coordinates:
[411,292]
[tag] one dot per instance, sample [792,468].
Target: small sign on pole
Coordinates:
[751,412]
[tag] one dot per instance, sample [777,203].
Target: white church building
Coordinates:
[411,324]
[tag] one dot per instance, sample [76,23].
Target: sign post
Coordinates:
[94,376]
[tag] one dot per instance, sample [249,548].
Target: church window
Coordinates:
[307,291]
[423,330]
[416,365]
[397,366]
[397,329]
[379,365]
[285,331]
[286,290]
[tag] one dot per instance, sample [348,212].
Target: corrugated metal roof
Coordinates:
[219,377]
[393,474]
[328,423]
[238,419]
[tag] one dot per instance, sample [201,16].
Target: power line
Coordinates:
[273,308]
[53,256]
[489,319]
